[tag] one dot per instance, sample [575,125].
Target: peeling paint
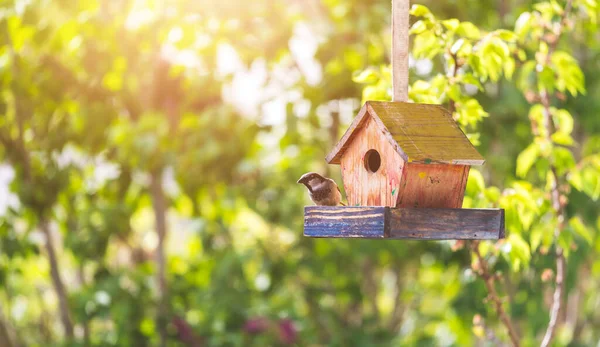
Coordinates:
[422,174]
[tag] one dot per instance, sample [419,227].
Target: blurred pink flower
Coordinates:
[185,332]
[287,331]
[256,325]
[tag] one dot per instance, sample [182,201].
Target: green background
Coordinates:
[157,144]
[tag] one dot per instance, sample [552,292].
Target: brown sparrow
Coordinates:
[323,191]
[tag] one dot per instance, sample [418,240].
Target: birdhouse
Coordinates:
[400,154]
[405,168]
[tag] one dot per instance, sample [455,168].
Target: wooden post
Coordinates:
[400,49]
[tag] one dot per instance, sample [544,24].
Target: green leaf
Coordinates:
[579,228]
[426,45]
[470,112]
[506,35]
[563,120]
[539,234]
[546,79]
[569,76]
[468,30]
[576,180]
[591,146]
[420,11]
[509,68]
[526,159]
[367,76]
[470,79]
[493,54]
[565,240]
[418,28]
[451,24]
[523,24]
[475,182]
[492,194]
[563,159]
[520,253]
[591,183]
[561,138]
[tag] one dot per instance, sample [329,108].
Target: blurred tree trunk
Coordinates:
[7,338]
[160,208]
[57,281]
[85,323]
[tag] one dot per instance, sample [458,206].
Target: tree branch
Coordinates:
[399,308]
[489,280]
[7,337]
[370,286]
[160,208]
[57,281]
[557,297]
[451,77]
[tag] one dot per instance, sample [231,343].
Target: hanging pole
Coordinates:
[400,15]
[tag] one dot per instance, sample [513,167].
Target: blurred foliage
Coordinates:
[226,104]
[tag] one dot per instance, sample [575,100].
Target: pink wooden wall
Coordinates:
[364,188]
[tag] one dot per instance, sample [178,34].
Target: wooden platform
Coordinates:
[403,223]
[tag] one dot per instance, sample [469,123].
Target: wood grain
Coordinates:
[365,188]
[403,223]
[332,221]
[432,185]
[446,224]
[420,133]
[400,49]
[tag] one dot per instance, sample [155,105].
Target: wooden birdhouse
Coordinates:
[405,168]
[401,154]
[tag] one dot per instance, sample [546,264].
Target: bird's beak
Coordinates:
[302,179]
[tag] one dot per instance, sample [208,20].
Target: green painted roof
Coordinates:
[419,132]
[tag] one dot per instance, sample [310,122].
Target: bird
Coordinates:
[323,191]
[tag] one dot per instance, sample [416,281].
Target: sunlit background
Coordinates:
[149,153]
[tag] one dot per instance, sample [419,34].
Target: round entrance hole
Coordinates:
[372,160]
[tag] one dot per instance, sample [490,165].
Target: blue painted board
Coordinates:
[334,221]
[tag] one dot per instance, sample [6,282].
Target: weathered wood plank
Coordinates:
[341,221]
[404,223]
[446,223]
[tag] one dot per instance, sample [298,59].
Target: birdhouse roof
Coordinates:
[418,132]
